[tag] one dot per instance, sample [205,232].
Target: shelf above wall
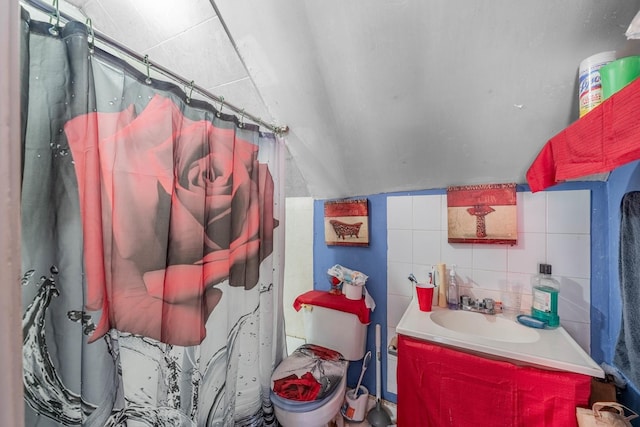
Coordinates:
[605,138]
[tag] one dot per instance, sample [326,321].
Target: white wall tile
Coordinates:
[397,279]
[444,224]
[490,257]
[459,254]
[569,254]
[396,306]
[427,212]
[574,301]
[426,247]
[519,281]
[525,256]
[569,212]
[399,245]
[492,280]
[532,212]
[464,276]
[399,212]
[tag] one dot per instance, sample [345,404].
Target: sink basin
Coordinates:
[485,326]
[499,337]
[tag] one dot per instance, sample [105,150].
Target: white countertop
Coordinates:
[555,349]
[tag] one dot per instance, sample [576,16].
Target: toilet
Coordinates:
[308,387]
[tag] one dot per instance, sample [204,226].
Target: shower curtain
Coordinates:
[152,244]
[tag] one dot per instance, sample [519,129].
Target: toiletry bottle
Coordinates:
[432,282]
[441,281]
[545,291]
[453,294]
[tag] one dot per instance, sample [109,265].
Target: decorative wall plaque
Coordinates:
[346,222]
[482,214]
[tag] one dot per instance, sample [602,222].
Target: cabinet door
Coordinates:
[439,386]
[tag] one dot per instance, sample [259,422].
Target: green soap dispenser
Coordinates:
[545,297]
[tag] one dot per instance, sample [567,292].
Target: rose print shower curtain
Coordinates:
[152,241]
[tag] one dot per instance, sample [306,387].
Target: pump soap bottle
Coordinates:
[453,294]
[545,291]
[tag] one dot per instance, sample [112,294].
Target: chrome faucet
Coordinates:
[486,305]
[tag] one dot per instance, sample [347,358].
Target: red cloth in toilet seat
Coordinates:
[302,389]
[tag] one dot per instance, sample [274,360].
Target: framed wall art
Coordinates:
[346,222]
[482,214]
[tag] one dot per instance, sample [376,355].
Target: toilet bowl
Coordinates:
[319,371]
[308,387]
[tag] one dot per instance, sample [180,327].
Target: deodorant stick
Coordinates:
[441,281]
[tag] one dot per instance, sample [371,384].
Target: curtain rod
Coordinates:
[43,7]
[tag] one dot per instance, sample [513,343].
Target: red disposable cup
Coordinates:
[425,297]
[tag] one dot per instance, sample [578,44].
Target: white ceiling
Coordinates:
[383,95]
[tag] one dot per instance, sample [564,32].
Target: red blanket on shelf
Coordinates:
[605,138]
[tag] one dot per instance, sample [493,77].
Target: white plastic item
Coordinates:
[453,293]
[589,87]
[441,282]
[355,404]
[352,291]
[378,364]
[336,330]
[431,281]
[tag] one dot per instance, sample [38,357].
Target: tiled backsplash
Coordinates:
[553,227]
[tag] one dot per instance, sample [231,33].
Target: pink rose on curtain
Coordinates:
[176,207]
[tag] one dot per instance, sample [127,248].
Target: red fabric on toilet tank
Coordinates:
[439,386]
[334,302]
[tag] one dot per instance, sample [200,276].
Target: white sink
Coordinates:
[484,325]
[498,336]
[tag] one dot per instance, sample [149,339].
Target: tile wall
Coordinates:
[553,227]
[298,269]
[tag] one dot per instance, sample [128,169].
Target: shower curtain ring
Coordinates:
[188,100]
[241,125]
[91,38]
[219,113]
[146,62]
[54,30]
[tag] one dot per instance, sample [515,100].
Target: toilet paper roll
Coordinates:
[441,280]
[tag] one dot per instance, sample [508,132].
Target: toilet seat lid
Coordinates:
[310,373]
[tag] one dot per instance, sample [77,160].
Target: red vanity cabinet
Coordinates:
[440,386]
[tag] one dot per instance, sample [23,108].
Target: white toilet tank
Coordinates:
[334,329]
